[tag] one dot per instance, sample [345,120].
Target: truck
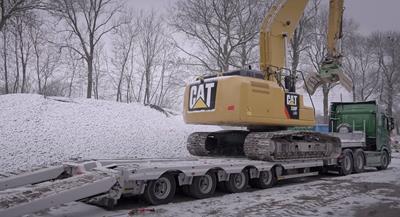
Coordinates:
[362,127]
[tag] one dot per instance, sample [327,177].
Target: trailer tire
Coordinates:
[203,186]
[237,182]
[346,164]
[384,161]
[161,190]
[267,179]
[359,161]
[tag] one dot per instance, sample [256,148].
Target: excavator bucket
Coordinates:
[330,73]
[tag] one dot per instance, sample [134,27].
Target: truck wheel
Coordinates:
[346,163]
[359,161]
[266,180]
[203,186]
[161,190]
[237,182]
[384,161]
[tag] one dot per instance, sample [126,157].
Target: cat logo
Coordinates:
[292,106]
[202,96]
[291,99]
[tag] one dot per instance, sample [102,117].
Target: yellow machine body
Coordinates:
[254,101]
[244,101]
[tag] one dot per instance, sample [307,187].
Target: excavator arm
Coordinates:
[331,67]
[277,29]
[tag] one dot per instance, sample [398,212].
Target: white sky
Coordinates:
[372,15]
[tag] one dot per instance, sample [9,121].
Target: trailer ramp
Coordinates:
[28,199]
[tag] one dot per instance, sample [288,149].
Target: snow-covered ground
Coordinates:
[35,131]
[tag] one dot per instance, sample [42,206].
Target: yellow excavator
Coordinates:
[259,101]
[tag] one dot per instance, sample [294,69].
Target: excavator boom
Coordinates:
[276,30]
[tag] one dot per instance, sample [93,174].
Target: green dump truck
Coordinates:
[364,130]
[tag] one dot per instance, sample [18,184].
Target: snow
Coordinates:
[38,131]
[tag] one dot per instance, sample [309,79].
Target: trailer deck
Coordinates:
[104,181]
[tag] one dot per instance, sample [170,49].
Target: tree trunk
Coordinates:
[70,83]
[390,99]
[325,91]
[16,83]
[147,88]
[89,61]
[24,64]
[5,62]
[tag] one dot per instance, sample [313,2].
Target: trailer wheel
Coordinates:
[384,161]
[267,179]
[346,163]
[359,161]
[203,186]
[161,190]
[237,182]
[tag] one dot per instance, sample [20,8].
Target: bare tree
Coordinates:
[100,60]
[74,63]
[298,42]
[5,60]
[24,48]
[87,22]
[222,29]
[151,42]
[38,39]
[12,8]
[50,64]
[316,52]
[361,64]
[387,50]
[122,48]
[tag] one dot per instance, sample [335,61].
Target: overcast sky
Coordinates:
[371,15]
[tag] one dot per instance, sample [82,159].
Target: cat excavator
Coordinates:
[265,101]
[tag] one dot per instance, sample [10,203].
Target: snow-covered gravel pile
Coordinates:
[37,131]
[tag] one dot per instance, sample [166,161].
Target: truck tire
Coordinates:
[237,182]
[346,162]
[161,190]
[359,161]
[203,186]
[384,161]
[267,179]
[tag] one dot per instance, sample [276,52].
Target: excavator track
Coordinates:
[266,146]
[227,143]
[291,145]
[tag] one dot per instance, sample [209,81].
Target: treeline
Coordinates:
[104,49]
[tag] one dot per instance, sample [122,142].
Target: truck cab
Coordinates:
[366,118]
